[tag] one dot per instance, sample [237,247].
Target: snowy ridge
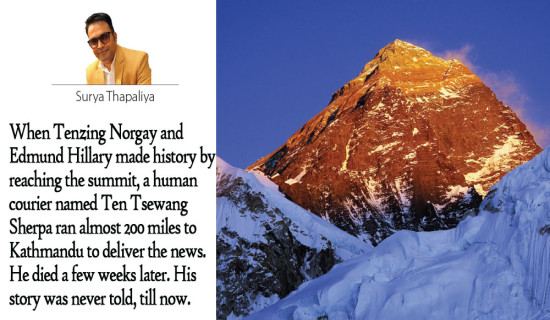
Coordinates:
[312,227]
[492,266]
[266,245]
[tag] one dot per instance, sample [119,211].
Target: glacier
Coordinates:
[495,265]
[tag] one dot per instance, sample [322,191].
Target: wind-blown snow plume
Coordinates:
[506,88]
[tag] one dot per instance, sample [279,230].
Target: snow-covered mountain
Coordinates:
[412,142]
[492,266]
[266,245]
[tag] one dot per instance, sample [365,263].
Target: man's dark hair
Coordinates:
[97,17]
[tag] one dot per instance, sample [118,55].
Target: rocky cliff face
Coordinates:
[413,142]
[268,246]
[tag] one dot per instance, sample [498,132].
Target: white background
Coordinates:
[44,43]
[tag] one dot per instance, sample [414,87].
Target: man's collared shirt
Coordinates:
[131,67]
[109,75]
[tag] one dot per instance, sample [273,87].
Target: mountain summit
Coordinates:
[413,142]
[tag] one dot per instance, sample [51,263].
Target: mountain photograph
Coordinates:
[368,169]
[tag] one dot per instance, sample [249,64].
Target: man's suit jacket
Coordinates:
[131,67]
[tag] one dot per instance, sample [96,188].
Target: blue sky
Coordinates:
[278,62]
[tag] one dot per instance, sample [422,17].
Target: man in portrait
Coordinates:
[114,64]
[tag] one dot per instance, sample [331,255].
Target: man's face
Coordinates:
[104,52]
